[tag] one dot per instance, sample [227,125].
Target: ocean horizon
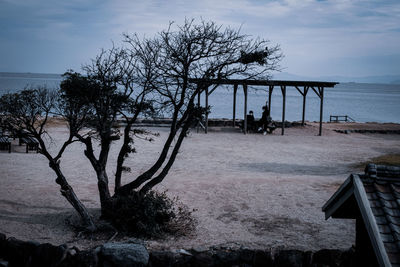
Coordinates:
[363,102]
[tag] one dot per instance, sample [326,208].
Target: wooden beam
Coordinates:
[299,90]
[263,82]
[283,89]
[304,104]
[198,105]
[316,92]
[321,108]
[270,89]
[206,123]
[212,90]
[245,109]
[235,87]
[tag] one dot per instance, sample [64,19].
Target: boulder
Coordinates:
[203,259]
[3,263]
[162,258]
[262,258]
[290,258]
[333,257]
[81,259]
[226,257]
[246,255]
[3,244]
[18,252]
[123,254]
[48,255]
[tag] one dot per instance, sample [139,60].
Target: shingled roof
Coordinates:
[374,197]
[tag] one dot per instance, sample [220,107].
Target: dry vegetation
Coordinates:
[388,159]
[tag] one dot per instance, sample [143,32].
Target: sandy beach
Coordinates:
[251,190]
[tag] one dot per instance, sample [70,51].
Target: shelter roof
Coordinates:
[374,197]
[265,82]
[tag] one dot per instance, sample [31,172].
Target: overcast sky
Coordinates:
[318,38]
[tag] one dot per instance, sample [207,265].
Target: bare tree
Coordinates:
[125,83]
[116,91]
[204,51]
[27,112]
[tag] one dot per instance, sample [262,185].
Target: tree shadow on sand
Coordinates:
[66,217]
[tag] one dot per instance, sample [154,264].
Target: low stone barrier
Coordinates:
[369,131]
[14,252]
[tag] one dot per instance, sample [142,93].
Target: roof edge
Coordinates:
[263,82]
[340,192]
[370,222]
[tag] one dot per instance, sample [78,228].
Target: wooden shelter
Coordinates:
[373,199]
[301,86]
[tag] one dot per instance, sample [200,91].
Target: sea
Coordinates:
[360,101]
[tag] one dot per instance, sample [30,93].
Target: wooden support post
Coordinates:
[283,89]
[304,104]
[198,105]
[271,88]
[321,95]
[245,109]
[235,87]
[206,123]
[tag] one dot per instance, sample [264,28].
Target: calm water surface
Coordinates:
[362,102]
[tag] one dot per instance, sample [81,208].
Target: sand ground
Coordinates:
[252,190]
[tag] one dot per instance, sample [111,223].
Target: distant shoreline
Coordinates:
[29,74]
[344,80]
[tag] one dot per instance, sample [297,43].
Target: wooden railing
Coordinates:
[338,118]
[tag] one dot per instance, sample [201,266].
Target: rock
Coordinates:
[3,263]
[262,258]
[246,255]
[161,258]
[169,259]
[226,257]
[134,240]
[81,259]
[330,257]
[202,259]
[184,252]
[289,258]
[17,252]
[3,244]
[48,255]
[199,249]
[123,254]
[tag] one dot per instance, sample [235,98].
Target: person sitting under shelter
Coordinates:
[266,124]
[251,123]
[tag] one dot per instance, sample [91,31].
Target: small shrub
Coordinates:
[151,215]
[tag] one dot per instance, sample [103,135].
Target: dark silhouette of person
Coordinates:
[265,123]
[251,125]
[264,118]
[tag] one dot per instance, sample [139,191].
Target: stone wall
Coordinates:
[15,252]
[369,131]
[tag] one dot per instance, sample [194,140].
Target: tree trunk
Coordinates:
[105,197]
[67,191]
[100,167]
[158,179]
[121,156]
[126,189]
